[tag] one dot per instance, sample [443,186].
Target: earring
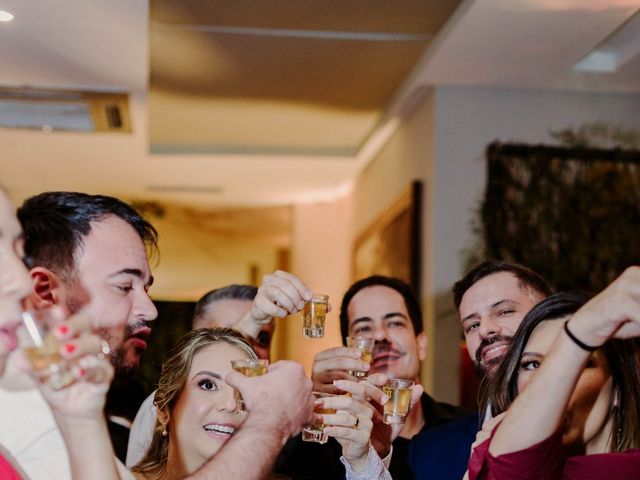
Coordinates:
[164,431]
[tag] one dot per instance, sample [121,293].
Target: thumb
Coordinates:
[235,379]
[416,393]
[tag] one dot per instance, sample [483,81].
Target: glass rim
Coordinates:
[359,337]
[319,298]
[399,383]
[250,361]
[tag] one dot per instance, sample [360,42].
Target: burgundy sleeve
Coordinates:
[542,461]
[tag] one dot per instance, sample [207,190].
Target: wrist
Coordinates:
[358,464]
[266,424]
[584,346]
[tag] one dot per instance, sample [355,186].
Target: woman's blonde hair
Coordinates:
[173,378]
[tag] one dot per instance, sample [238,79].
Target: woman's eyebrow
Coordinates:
[209,373]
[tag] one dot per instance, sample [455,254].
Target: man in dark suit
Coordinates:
[385,309]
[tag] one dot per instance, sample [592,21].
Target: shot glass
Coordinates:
[365,345]
[313,316]
[250,367]
[315,432]
[42,349]
[399,393]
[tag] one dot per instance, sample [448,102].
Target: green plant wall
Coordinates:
[571,214]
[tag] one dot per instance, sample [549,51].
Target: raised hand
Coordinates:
[369,392]
[613,313]
[351,425]
[281,398]
[334,364]
[280,294]
[85,352]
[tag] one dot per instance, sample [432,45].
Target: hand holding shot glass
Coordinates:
[346,418]
[365,345]
[249,367]
[42,349]
[399,392]
[315,432]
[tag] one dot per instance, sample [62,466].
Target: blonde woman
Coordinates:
[197,411]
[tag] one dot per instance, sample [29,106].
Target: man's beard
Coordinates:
[488,368]
[118,356]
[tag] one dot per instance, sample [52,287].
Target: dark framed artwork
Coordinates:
[391,245]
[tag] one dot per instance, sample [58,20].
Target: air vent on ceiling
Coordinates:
[50,110]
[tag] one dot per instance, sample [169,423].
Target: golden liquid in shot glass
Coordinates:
[399,393]
[315,433]
[313,316]
[365,345]
[249,367]
[251,370]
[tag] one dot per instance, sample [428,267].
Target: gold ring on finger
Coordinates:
[357,424]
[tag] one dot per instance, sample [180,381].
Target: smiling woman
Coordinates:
[579,414]
[196,409]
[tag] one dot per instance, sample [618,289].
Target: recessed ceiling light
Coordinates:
[5,16]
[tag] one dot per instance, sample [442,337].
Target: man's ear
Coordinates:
[48,289]
[422,341]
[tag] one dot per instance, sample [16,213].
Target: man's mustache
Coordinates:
[136,326]
[385,347]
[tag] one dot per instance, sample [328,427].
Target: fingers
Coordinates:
[284,291]
[352,420]
[416,393]
[324,381]
[72,327]
[344,404]
[88,344]
[302,289]
[378,379]
[330,353]
[371,393]
[94,370]
[339,358]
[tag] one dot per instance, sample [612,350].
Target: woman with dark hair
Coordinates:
[579,415]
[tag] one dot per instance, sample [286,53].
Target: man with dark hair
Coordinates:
[491,299]
[86,253]
[228,307]
[385,309]
[90,253]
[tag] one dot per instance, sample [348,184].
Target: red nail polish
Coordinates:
[70,347]
[63,329]
[82,372]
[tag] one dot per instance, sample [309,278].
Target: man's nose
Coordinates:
[381,334]
[145,308]
[489,327]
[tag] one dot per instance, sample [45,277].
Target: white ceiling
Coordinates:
[104,45]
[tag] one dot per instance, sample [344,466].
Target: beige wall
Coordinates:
[408,156]
[321,257]
[196,256]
